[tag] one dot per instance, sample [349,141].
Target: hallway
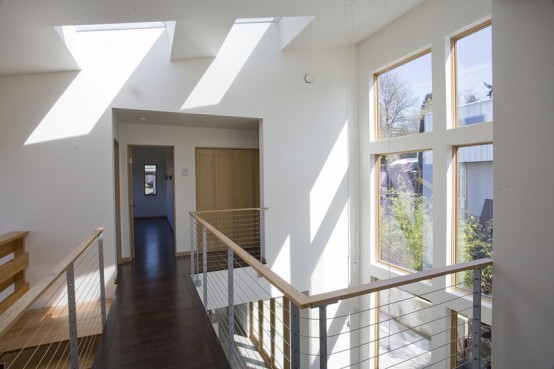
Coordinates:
[157,319]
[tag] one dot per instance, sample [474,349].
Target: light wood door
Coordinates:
[205,179]
[225,178]
[244,179]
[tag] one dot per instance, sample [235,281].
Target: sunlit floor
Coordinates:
[404,349]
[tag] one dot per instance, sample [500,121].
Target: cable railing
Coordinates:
[402,322]
[56,324]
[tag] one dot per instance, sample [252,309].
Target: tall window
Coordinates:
[404,97]
[473,92]
[270,329]
[474,213]
[150,179]
[472,58]
[405,221]
[461,342]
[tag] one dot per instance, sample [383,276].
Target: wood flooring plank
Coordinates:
[157,319]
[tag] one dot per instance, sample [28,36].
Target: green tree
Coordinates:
[477,244]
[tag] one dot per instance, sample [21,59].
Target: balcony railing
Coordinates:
[57,322]
[264,321]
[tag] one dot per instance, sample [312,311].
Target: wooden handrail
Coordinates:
[226,210]
[286,288]
[16,311]
[363,289]
[303,301]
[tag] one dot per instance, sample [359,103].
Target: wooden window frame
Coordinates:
[377,217]
[453,67]
[376,75]
[455,213]
[270,357]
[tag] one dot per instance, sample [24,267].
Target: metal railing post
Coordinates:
[231,304]
[323,337]
[192,247]
[205,264]
[295,336]
[262,235]
[476,321]
[72,311]
[102,285]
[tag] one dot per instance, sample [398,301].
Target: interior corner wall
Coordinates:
[523,57]
[184,140]
[60,191]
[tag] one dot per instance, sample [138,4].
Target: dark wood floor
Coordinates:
[157,319]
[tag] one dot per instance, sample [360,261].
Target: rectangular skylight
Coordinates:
[119,26]
[256,20]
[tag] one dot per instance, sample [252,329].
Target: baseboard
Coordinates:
[182,253]
[126,260]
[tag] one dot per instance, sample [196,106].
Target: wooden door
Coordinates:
[205,179]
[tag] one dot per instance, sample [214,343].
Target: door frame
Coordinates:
[130,148]
[117,195]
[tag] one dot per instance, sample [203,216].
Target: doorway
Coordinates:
[151,188]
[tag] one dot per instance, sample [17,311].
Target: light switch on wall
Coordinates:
[184,172]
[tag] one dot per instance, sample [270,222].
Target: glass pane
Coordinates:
[267,328]
[279,334]
[474,78]
[475,205]
[405,210]
[463,343]
[255,323]
[404,330]
[149,179]
[404,99]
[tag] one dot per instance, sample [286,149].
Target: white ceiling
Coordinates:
[29,43]
[185,119]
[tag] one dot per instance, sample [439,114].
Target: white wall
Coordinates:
[306,237]
[523,328]
[59,191]
[184,141]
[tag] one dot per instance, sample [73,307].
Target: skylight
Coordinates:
[256,20]
[118,26]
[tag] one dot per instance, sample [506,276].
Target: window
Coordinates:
[474,210]
[405,219]
[473,89]
[150,179]
[404,97]
[461,342]
[269,330]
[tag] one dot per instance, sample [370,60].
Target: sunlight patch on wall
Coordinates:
[282,263]
[235,51]
[107,59]
[331,270]
[328,182]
